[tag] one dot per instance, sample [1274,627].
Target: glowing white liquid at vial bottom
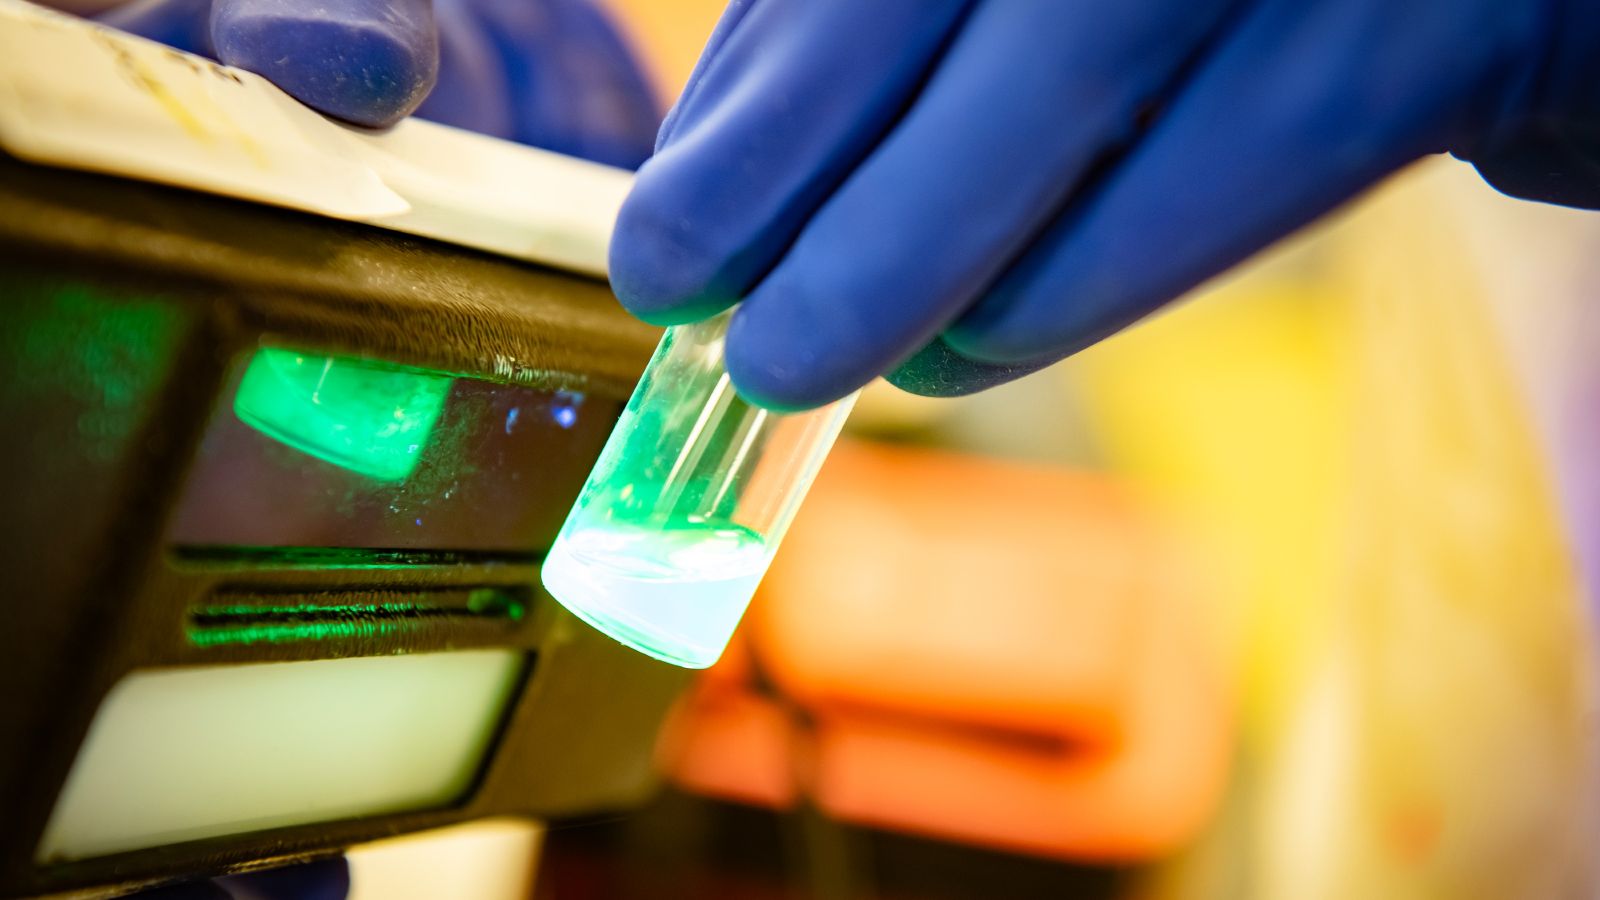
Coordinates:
[674,593]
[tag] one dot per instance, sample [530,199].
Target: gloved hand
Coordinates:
[957,193]
[550,73]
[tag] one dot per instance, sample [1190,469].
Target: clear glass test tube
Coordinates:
[685,507]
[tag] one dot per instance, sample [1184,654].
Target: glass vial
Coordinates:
[685,507]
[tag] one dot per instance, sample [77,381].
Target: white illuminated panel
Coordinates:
[181,754]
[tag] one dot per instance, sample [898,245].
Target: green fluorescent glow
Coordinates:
[365,416]
[683,510]
[487,602]
[674,592]
[267,623]
[666,543]
[292,632]
[80,369]
[229,557]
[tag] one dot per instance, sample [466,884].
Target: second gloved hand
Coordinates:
[550,73]
[956,192]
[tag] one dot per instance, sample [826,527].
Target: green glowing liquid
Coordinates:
[674,591]
[365,416]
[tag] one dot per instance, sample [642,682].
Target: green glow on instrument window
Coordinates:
[248,623]
[292,632]
[369,417]
[228,558]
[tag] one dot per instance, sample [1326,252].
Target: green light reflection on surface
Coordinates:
[82,366]
[230,557]
[290,632]
[246,623]
[366,416]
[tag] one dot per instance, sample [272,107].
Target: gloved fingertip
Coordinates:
[369,62]
[780,392]
[783,371]
[646,293]
[937,370]
[658,273]
[974,340]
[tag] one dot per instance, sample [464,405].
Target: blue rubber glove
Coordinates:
[957,193]
[549,73]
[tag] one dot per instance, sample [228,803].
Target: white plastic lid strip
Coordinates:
[78,95]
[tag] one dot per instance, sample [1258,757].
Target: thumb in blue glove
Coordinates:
[370,62]
[959,192]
